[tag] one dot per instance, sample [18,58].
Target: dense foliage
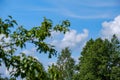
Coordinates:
[22,65]
[99,59]
[64,68]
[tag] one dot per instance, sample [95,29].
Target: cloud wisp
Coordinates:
[83,10]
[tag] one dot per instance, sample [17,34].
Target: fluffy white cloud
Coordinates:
[71,39]
[54,33]
[110,28]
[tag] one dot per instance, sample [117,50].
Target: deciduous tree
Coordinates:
[22,65]
[64,66]
[100,60]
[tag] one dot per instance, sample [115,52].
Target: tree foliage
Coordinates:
[54,73]
[64,68]
[100,60]
[22,65]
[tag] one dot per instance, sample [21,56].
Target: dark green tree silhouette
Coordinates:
[100,60]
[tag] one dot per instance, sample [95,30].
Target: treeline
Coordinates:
[99,59]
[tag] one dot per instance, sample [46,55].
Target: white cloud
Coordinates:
[4,71]
[50,63]
[4,38]
[110,28]
[92,12]
[71,39]
[98,16]
[100,3]
[1,36]
[55,33]
[29,52]
[63,6]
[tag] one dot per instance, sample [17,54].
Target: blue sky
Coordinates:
[82,13]
[89,19]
